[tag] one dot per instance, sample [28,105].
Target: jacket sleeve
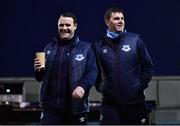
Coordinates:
[146,64]
[38,75]
[89,77]
[99,77]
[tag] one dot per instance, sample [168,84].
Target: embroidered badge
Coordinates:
[104,50]
[79,57]
[48,52]
[82,119]
[126,48]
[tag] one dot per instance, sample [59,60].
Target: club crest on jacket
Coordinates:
[79,57]
[126,48]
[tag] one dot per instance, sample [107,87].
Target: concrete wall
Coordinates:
[165,90]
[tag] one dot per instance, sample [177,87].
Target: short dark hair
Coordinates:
[68,14]
[111,10]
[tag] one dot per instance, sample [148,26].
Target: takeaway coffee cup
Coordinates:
[41,57]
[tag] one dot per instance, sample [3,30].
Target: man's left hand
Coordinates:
[78,92]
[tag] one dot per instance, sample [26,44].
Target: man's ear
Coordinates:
[107,22]
[75,26]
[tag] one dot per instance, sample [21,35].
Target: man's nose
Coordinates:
[64,27]
[120,21]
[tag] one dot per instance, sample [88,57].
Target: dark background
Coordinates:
[26,26]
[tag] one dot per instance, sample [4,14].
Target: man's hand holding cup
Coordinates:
[39,61]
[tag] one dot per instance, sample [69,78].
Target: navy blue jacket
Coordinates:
[125,68]
[82,71]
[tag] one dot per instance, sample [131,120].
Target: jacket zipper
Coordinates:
[69,70]
[117,64]
[69,65]
[59,76]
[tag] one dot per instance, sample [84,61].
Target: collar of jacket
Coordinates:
[74,42]
[112,42]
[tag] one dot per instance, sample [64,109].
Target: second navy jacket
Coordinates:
[125,68]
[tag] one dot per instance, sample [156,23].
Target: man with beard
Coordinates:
[125,68]
[70,71]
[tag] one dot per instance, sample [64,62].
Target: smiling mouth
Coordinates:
[64,33]
[120,25]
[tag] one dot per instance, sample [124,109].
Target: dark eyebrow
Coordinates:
[64,24]
[117,18]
